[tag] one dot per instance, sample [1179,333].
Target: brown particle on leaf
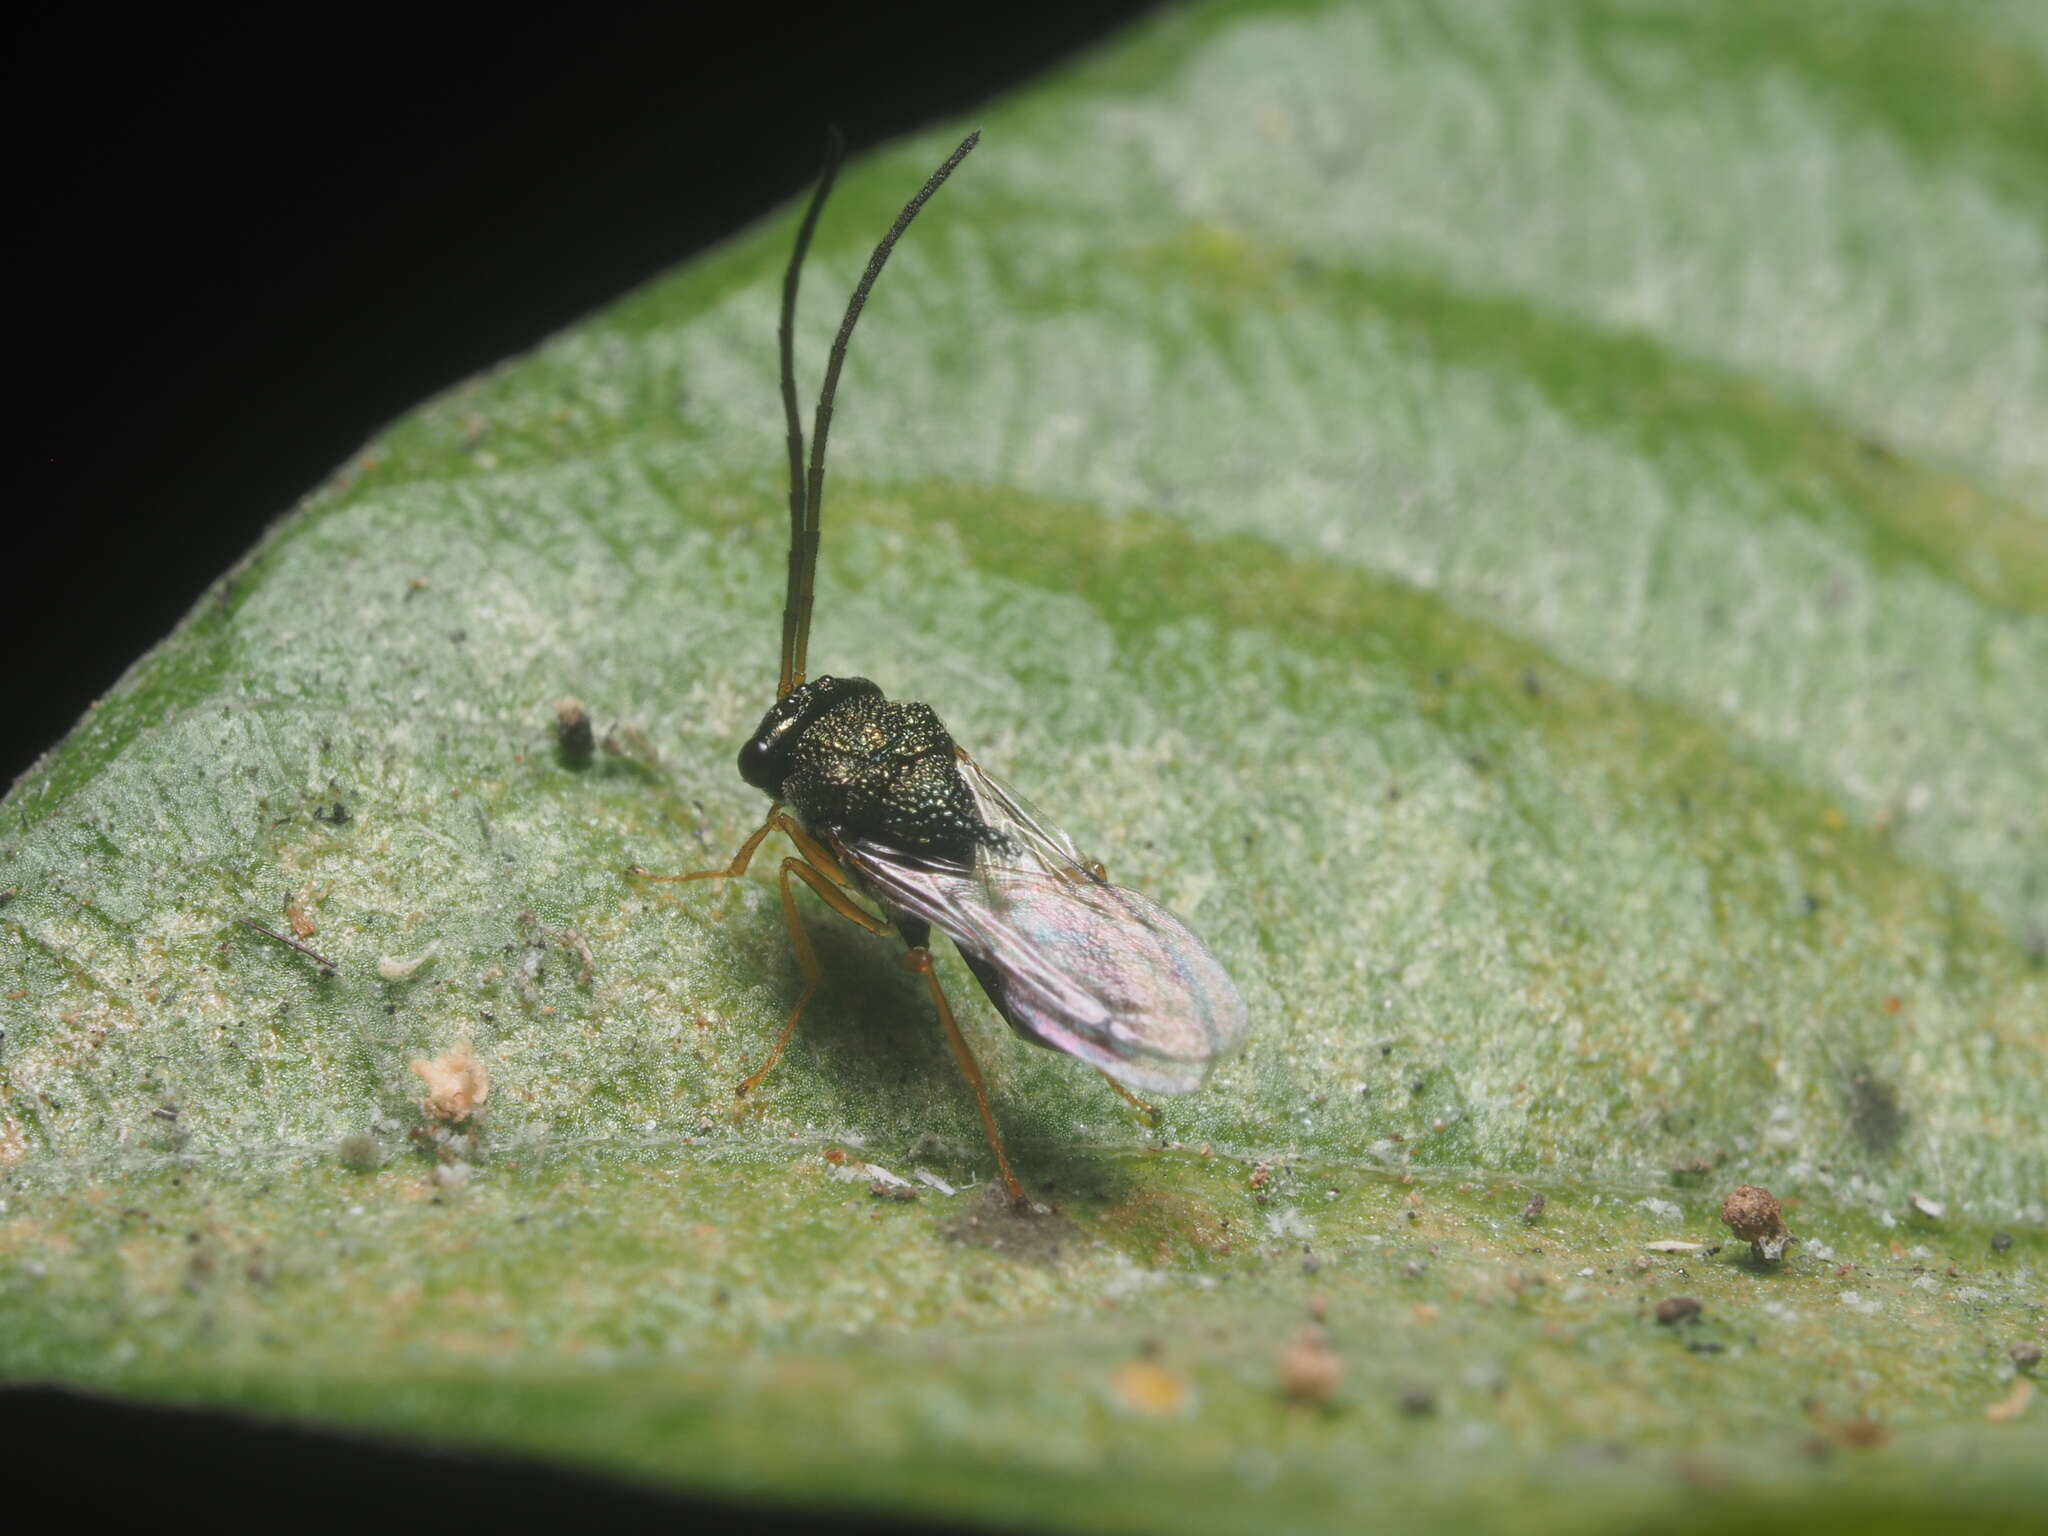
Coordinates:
[1755,1215]
[572,729]
[456,1084]
[834,1156]
[1259,1176]
[301,920]
[2013,1404]
[1864,1431]
[1532,1212]
[2025,1355]
[1678,1309]
[899,1192]
[1309,1369]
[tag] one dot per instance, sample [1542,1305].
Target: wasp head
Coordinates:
[765,760]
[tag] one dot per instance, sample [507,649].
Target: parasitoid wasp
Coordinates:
[880,803]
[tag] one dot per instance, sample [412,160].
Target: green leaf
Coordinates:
[1525,526]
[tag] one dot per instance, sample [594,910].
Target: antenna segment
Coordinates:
[804,499]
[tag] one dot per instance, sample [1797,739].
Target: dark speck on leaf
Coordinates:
[572,730]
[1873,1109]
[2001,1242]
[335,815]
[1418,1400]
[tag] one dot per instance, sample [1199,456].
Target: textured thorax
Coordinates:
[849,761]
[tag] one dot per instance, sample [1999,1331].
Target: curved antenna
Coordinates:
[835,152]
[803,551]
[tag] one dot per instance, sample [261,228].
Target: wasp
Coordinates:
[884,808]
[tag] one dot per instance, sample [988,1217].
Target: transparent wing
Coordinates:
[1030,837]
[1071,961]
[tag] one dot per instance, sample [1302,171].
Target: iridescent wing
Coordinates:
[1071,961]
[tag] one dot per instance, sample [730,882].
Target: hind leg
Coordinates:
[813,973]
[919,959]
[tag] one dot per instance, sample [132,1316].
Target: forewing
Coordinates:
[1092,969]
[1029,837]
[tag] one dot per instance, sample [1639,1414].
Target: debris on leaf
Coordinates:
[2024,1355]
[1417,1400]
[299,917]
[1932,1210]
[632,742]
[1533,1211]
[1309,1369]
[326,965]
[2013,1404]
[1674,1245]
[572,729]
[882,1183]
[398,968]
[360,1153]
[1755,1216]
[539,933]
[1147,1387]
[1863,1431]
[1678,1309]
[456,1083]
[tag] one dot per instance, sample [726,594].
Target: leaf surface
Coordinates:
[1525,528]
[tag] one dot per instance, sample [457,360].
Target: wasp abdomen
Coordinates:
[885,772]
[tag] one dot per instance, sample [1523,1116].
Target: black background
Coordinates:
[246,240]
[242,242]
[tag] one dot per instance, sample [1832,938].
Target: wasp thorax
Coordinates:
[847,759]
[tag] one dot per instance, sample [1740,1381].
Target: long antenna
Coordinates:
[835,151]
[803,551]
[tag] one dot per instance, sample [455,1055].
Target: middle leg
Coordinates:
[833,896]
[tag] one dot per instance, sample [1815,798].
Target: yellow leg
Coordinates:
[740,860]
[1149,1111]
[920,961]
[821,871]
[806,955]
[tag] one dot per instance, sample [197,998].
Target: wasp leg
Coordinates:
[834,897]
[919,960]
[1149,1111]
[740,860]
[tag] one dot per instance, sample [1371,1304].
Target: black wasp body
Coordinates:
[881,804]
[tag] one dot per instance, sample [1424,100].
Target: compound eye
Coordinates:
[759,757]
